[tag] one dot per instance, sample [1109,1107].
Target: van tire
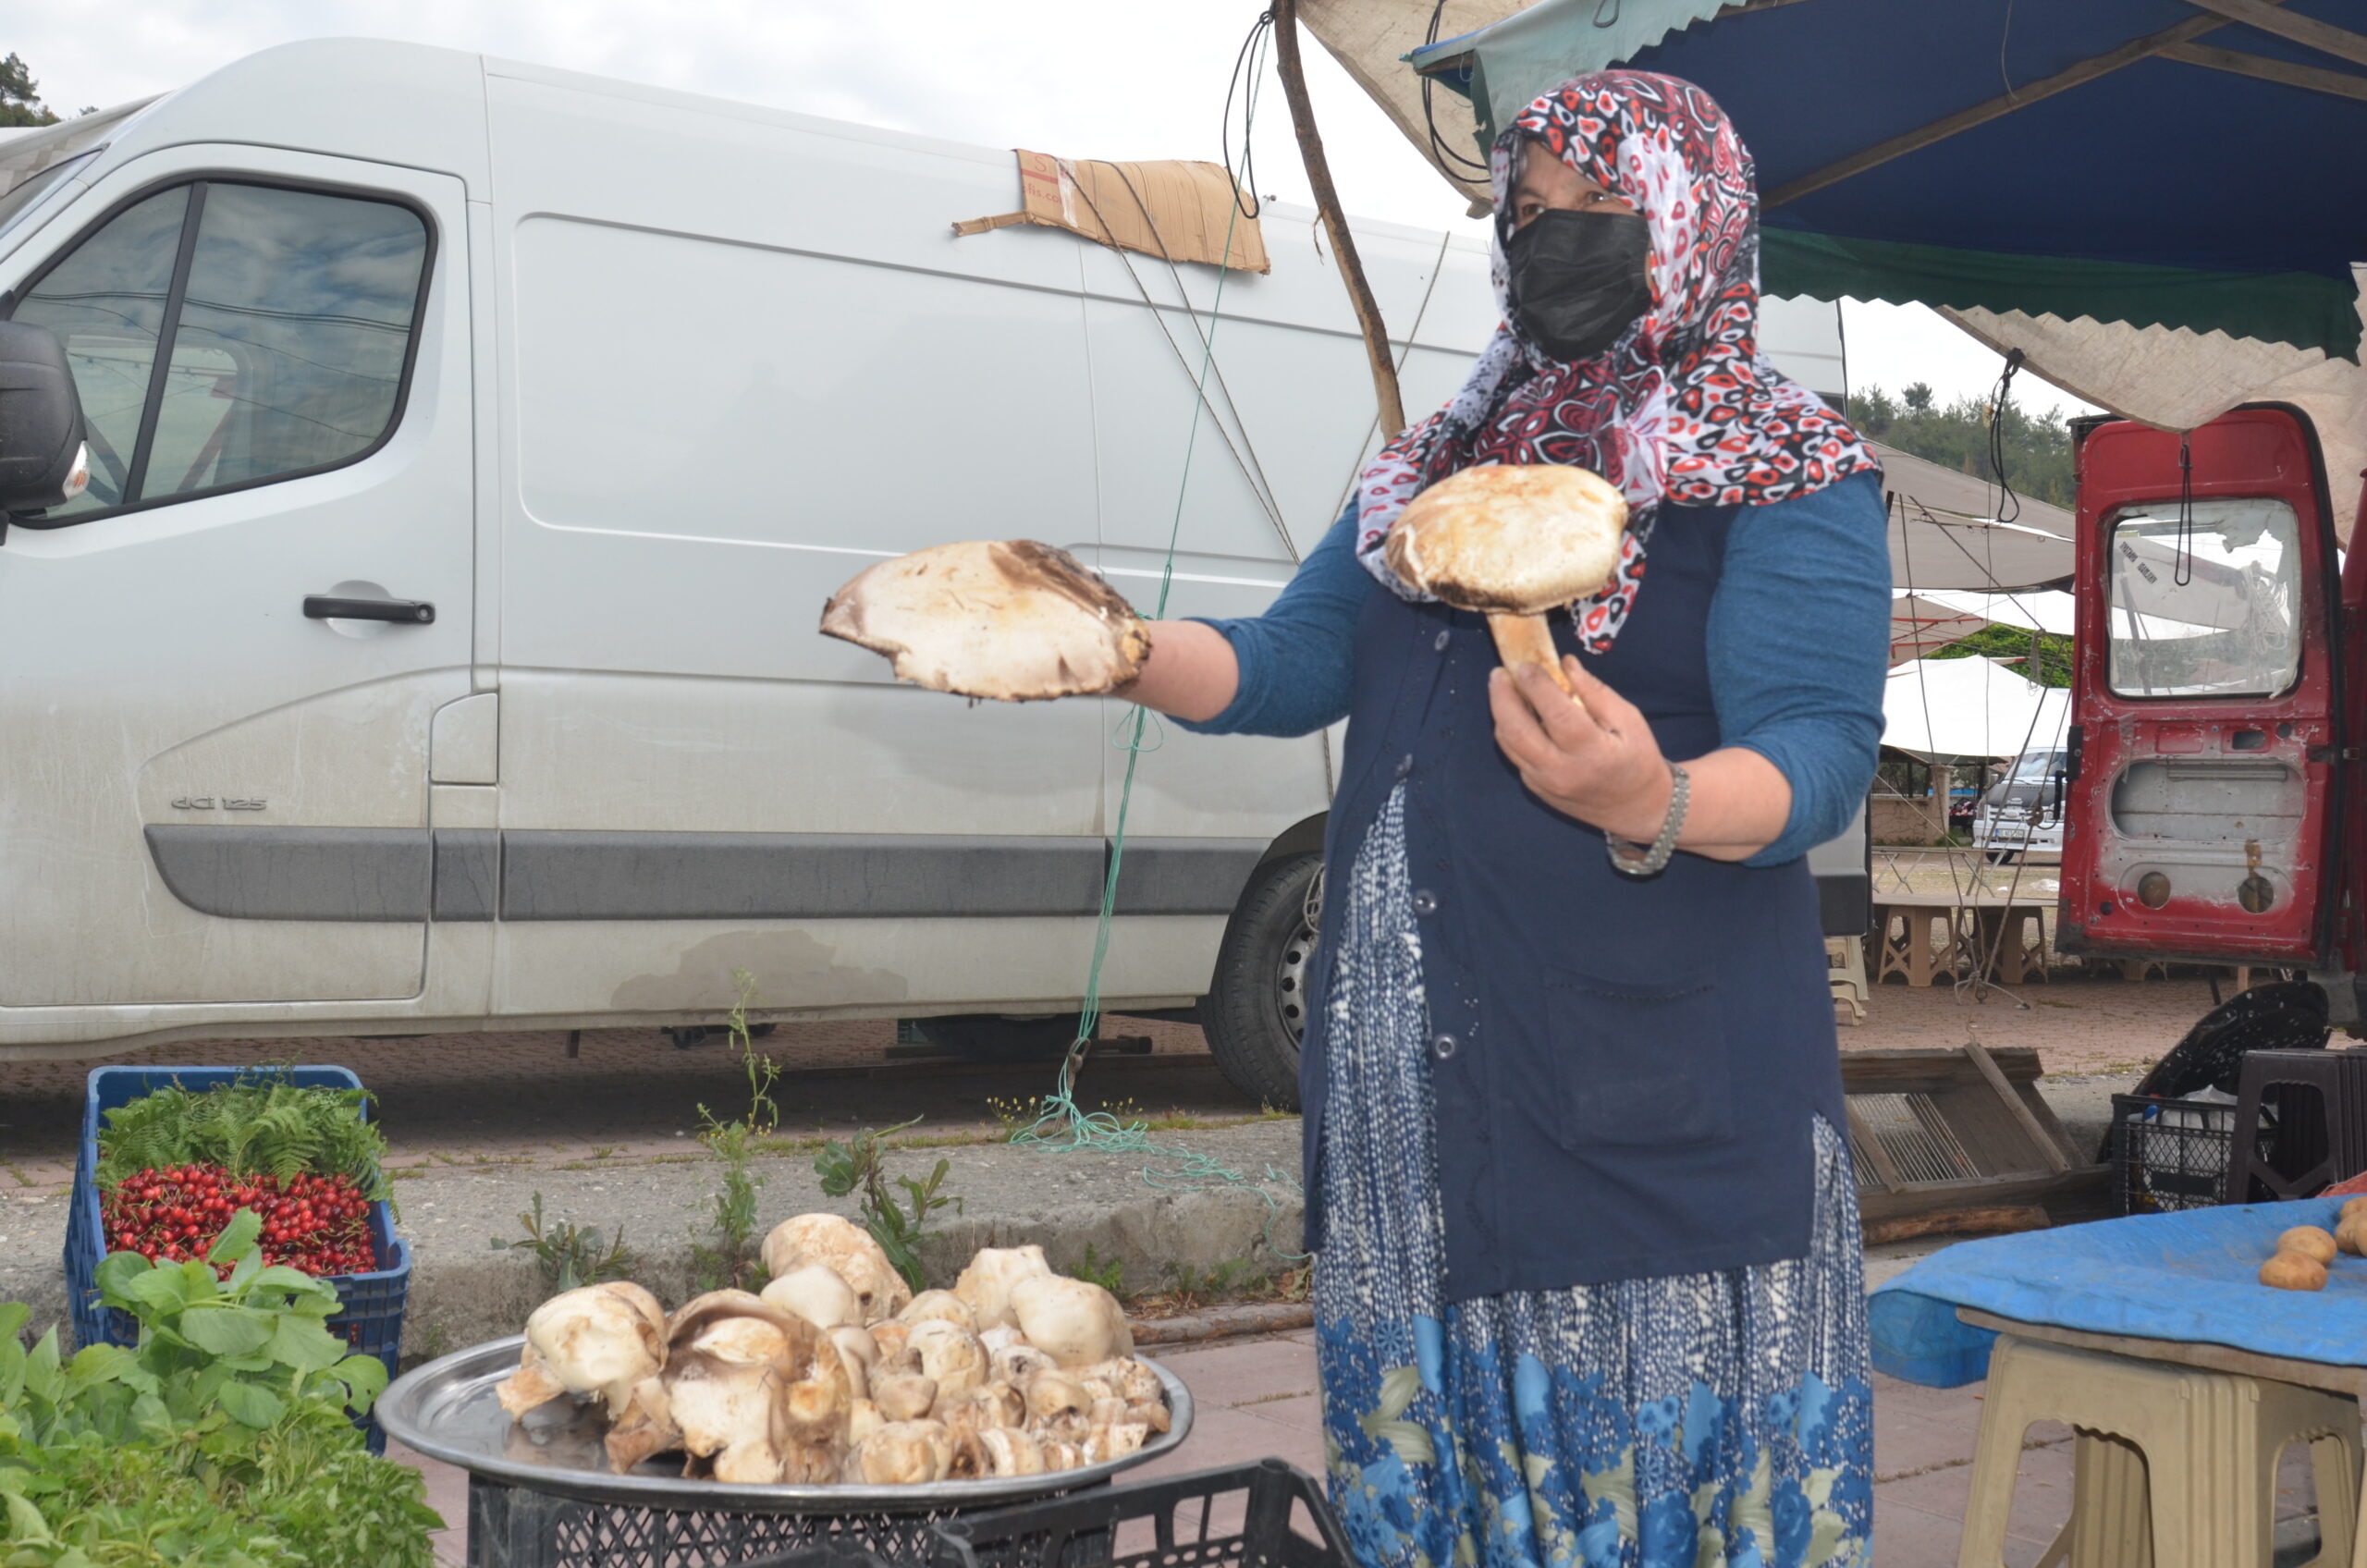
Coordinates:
[1254,1013]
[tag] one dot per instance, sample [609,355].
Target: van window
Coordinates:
[105,301]
[285,319]
[2211,607]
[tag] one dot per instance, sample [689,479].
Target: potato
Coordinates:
[2294,1271]
[2354,1205]
[2351,1235]
[2310,1241]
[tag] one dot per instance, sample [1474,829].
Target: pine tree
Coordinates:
[21,102]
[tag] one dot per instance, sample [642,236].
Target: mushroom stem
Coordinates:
[1528,639]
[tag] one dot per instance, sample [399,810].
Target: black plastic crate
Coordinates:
[1245,1516]
[517,1527]
[2172,1154]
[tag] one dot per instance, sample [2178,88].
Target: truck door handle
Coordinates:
[408,612]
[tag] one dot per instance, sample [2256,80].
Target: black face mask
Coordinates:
[1579,279]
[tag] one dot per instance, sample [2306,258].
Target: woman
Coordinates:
[1587,1280]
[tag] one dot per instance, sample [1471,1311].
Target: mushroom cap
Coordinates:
[1014,621]
[986,1282]
[815,1292]
[595,1340]
[1511,540]
[849,1251]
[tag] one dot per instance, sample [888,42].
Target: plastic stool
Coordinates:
[1845,962]
[2207,1443]
[2320,1150]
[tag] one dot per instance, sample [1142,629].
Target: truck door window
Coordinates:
[2211,607]
[105,301]
[286,317]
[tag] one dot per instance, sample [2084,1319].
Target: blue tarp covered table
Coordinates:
[2189,1277]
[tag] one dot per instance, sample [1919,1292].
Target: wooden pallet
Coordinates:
[1960,1142]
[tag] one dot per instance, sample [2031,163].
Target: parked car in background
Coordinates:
[2023,811]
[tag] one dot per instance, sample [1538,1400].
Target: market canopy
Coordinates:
[1971,707]
[1945,535]
[2160,163]
[1924,623]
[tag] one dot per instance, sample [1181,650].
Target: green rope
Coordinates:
[1061,1125]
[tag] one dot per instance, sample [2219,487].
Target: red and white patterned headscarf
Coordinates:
[1683,408]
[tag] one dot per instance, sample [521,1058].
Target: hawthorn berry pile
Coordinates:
[320,1224]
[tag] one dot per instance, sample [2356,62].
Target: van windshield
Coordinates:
[2037,765]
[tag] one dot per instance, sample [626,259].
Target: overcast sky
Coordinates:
[1110,79]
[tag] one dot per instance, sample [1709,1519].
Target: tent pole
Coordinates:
[1327,202]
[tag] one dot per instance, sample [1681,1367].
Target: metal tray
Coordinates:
[447,1411]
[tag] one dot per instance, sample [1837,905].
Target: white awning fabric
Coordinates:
[2178,379]
[1924,623]
[1971,707]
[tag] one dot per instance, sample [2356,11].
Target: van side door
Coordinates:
[220,666]
[2208,711]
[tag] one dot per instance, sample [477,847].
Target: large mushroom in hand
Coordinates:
[1513,543]
[1016,621]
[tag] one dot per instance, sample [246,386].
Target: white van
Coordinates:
[473,446]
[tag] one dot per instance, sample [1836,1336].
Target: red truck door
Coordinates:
[2206,746]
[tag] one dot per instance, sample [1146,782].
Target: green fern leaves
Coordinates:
[259,1123]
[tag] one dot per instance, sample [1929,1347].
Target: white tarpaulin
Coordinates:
[1944,534]
[1971,707]
[1371,37]
[2178,379]
[1924,623]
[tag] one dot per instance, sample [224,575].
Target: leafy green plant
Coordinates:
[570,1255]
[1110,1273]
[260,1122]
[730,1257]
[857,1167]
[223,1439]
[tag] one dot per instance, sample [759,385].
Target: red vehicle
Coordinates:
[2217,808]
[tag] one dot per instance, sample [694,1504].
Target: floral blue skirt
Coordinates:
[1684,1422]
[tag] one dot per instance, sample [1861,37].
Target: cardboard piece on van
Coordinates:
[1173,210]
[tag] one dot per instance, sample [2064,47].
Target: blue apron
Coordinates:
[1625,1071]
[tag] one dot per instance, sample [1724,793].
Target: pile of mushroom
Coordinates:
[837,1373]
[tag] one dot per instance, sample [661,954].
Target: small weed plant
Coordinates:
[568,1255]
[858,1167]
[1110,1273]
[727,1255]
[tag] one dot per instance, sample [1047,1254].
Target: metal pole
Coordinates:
[1327,202]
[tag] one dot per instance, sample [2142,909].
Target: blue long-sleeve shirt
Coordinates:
[1798,648]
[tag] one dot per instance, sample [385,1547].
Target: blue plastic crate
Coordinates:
[370,1309]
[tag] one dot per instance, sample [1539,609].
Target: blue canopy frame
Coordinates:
[2177,163]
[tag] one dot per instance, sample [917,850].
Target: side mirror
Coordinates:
[41,458]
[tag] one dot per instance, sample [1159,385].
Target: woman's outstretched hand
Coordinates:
[1589,754]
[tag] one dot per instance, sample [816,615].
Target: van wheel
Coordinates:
[994,1036]
[1256,1012]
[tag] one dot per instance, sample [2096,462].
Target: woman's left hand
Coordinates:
[1589,756]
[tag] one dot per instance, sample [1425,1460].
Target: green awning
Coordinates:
[2298,308]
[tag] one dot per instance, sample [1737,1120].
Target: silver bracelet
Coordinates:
[1632,859]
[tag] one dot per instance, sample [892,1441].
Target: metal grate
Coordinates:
[1916,1136]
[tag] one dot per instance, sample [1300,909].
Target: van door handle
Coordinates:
[408,612]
